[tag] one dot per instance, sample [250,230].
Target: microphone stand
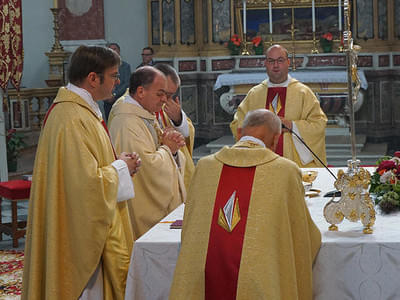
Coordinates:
[304,143]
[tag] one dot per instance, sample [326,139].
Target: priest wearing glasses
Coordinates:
[295,104]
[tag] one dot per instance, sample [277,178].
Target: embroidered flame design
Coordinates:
[229,216]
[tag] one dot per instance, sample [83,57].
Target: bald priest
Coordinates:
[247,232]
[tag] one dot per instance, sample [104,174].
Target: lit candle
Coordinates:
[55,3]
[340,15]
[270,17]
[244,16]
[313,16]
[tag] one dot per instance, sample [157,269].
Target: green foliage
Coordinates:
[15,143]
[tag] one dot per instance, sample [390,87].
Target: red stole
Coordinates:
[281,91]
[224,247]
[102,123]
[161,121]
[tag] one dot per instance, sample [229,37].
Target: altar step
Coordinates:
[338,148]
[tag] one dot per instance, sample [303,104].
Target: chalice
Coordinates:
[308,178]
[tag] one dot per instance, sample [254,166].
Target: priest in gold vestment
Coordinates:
[295,104]
[171,115]
[247,232]
[79,237]
[159,186]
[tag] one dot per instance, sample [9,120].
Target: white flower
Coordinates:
[385,177]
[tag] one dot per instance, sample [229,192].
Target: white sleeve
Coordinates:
[304,154]
[126,189]
[184,127]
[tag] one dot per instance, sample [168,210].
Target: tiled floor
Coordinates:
[6,243]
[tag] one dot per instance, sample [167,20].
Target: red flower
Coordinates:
[235,40]
[397,154]
[256,41]
[328,36]
[386,165]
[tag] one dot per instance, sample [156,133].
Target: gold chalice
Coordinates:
[308,178]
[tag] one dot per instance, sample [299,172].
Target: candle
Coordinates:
[244,17]
[55,3]
[270,17]
[313,16]
[340,15]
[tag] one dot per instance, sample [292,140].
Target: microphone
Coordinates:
[312,152]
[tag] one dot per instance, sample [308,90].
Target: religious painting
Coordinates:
[365,19]
[168,22]
[382,20]
[189,101]
[85,15]
[155,22]
[257,22]
[397,18]
[187,22]
[221,20]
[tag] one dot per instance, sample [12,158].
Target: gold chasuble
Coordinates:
[300,106]
[74,219]
[247,232]
[163,118]
[159,185]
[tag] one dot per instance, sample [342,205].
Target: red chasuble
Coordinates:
[281,91]
[227,231]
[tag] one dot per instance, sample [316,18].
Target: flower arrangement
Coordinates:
[258,45]
[326,42]
[234,44]
[385,183]
[15,143]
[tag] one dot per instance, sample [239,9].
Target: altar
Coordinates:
[349,265]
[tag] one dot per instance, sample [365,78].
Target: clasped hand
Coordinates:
[173,139]
[132,160]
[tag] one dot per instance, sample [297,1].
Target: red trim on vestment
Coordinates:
[163,120]
[225,248]
[272,91]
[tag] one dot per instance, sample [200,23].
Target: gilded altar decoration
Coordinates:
[355,202]
[229,216]
[385,183]
[11,52]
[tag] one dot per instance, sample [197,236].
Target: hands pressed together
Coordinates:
[132,160]
[173,139]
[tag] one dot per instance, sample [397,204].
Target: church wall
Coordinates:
[37,24]
[125,23]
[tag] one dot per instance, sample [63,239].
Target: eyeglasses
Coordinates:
[115,76]
[171,95]
[146,54]
[279,60]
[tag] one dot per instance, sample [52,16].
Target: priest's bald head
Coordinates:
[148,87]
[262,124]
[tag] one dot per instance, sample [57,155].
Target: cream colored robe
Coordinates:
[74,219]
[302,107]
[280,242]
[187,151]
[159,186]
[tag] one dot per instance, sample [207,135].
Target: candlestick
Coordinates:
[314,50]
[55,3]
[340,14]
[244,17]
[313,16]
[270,17]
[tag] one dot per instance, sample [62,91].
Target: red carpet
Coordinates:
[11,266]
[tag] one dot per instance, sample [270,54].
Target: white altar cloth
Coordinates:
[349,265]
[309,76]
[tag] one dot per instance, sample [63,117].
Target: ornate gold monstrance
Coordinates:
[355,202]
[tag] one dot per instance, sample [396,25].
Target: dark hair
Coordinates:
[148,48]
[143,76]
[87,59]
[114,44]
[169,71]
